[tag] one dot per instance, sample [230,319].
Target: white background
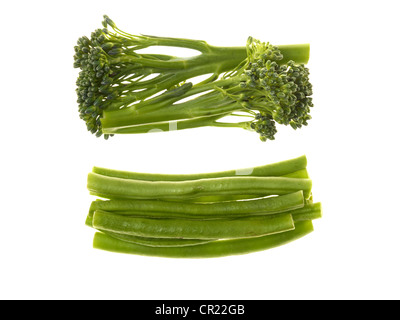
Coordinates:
[351,144]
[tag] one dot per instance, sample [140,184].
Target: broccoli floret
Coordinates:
[265,126]
[281,93]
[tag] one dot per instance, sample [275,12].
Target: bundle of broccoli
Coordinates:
[201,215]
[121,90]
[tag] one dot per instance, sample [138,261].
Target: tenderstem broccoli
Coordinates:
[122,90]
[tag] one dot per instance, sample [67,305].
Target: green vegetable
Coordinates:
[193,229]
[310,211]
[117,188]
[156,242]
[159,208]
[213,249]
[293,166]
[121,90]
[168,215]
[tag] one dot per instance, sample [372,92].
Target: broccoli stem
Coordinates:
[207,108]
[165,126]
[213,59]
[299,53]
[198,45]
[224,99]
[296,52]
[216,60]
[173,72]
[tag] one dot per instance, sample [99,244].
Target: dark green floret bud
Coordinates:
[108,21]
[115,51]
[107,46]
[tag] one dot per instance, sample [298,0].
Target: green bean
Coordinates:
[89,219]
[117,188]
[300,174]
[274,169]
[193,229]
[221,198]
[156,242]
[310,211]
[215,249]
[160,208]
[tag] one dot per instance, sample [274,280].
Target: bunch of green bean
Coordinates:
[202,215]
